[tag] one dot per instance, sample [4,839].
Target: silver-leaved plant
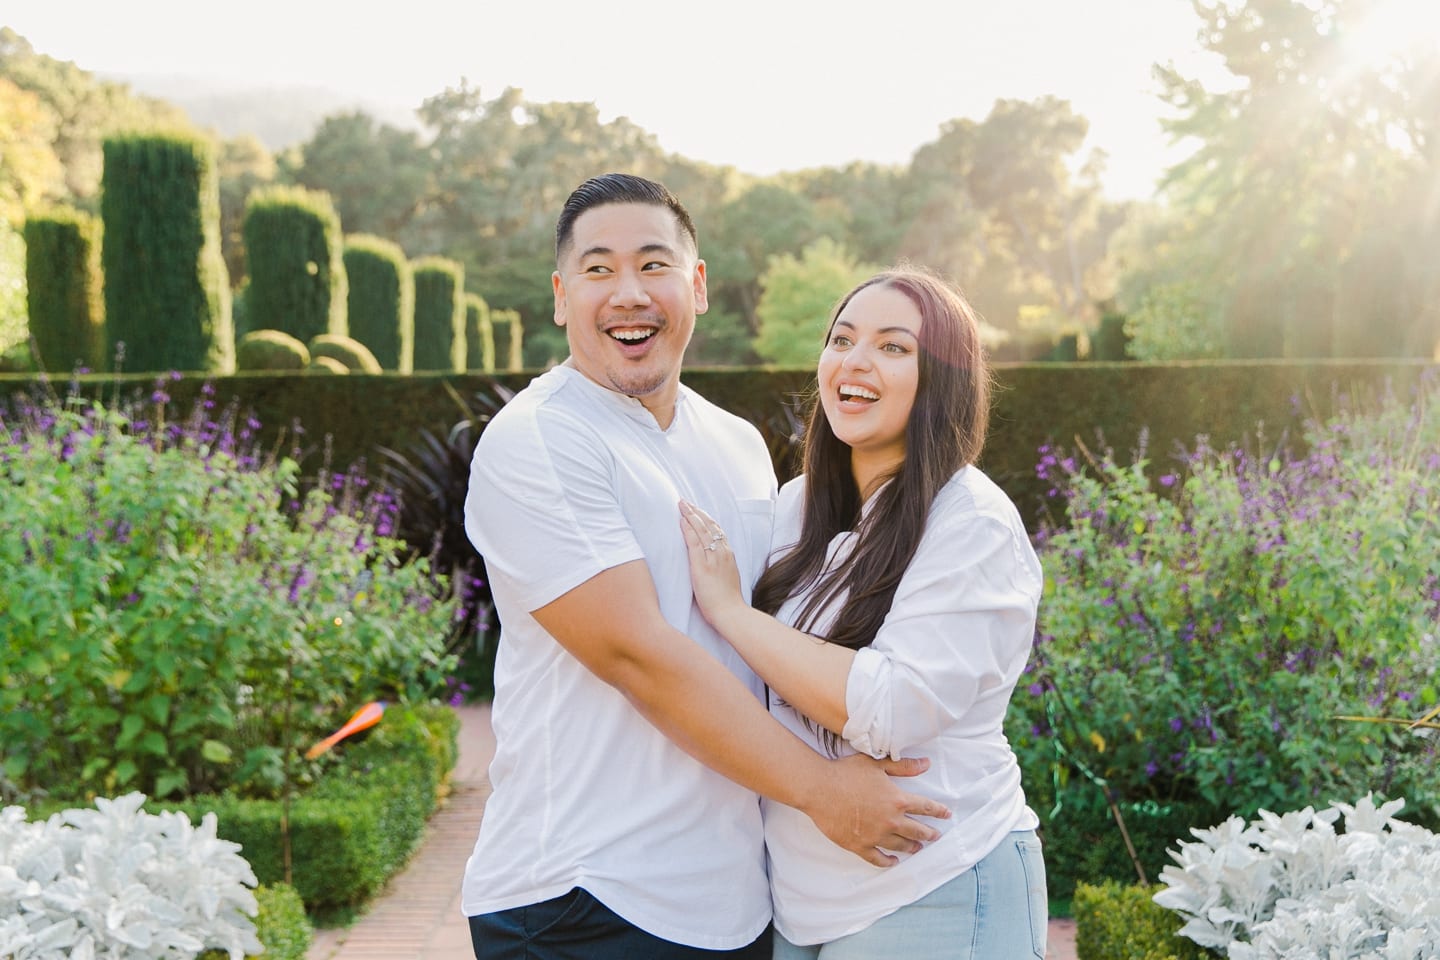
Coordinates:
[116,883]
[1293,887]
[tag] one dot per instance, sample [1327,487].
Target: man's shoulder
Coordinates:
[545,396]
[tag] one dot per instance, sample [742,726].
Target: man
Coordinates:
[631,740]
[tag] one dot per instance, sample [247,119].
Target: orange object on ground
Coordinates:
[362,719]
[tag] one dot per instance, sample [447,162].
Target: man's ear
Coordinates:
[559,288]
[702,297]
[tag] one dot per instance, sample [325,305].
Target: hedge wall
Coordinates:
[1169,404]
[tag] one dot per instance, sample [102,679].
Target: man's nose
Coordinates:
[629,290]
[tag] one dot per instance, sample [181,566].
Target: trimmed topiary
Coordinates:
[326,365]
[293,247]
[167,295]
[271,350]
[439,314]
[509,345]
[349,351]
[479,337]
[63,283]
[381,300]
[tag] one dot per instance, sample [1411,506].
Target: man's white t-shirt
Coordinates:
[568,480]
[935,683]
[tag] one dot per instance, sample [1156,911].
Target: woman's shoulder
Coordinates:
[971,495]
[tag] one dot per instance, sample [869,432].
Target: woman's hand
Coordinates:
[714,577]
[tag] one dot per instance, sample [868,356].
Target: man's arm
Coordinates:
[612,624]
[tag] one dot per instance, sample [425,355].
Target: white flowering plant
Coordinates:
[117,883]
[1293,887]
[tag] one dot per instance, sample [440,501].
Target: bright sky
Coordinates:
[765,85]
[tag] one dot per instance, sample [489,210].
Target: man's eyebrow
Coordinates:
[599,251]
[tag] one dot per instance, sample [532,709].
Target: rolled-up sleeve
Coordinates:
[958,634]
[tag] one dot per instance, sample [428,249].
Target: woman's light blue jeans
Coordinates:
[996,910]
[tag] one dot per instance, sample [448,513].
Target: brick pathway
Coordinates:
[417,916]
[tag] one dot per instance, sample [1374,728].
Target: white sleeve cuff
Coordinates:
[868,703]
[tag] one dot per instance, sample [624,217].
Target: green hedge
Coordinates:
[167,296]
[1034,404]
[439,314]
[1119,922]
[294,247]
[64,288]
[381,300]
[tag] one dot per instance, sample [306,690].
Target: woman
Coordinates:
[895,618]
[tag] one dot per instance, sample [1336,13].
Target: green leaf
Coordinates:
[171,781]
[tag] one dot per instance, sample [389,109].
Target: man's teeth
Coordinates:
[631,335]
[861,392]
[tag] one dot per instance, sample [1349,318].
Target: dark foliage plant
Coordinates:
[430,478]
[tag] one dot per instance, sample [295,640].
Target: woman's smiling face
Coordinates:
[868,374]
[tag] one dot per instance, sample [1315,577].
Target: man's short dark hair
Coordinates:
[617,188]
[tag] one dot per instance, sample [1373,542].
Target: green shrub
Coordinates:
[294,247]
[270,350]
[351,353]
[479,337]
[1207,634]
[167,297]
[178,615]
[62,275]
[381,300]
[439,314]
[1115,921]
[509,339]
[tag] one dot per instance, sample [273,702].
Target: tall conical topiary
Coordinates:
[295,254]
[509,345]
[63,281]
[479,338]
[381,300]
[439,314]
[167,296]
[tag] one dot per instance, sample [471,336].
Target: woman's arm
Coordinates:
[807,672]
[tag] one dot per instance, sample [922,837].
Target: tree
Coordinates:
[377,175]
[30,173]
[1314,183]
[244,166]
[799,296]
[84,111]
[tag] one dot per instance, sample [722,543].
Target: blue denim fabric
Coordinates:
[996,910]
[576,926]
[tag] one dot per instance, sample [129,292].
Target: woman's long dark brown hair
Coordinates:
[946,432]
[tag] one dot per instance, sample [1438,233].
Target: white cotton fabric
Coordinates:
[569,480]
[935,683]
